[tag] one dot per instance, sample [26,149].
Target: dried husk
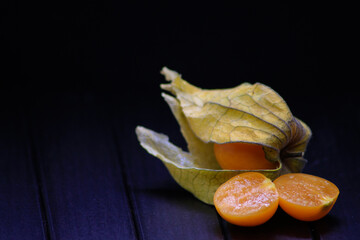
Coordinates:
[252,113]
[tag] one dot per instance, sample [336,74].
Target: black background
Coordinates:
[102,59]
[303,51]
[98,44]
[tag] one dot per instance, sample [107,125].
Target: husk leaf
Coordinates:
[247,113]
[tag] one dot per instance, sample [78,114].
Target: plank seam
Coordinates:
[313,232]
[42,199]
[223,227]
[129,195]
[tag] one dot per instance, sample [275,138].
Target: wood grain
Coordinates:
[20,207]
[80,171]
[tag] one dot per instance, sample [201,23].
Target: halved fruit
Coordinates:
[306,197]
[248,199]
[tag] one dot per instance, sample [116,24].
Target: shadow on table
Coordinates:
[327,226]
[168,213]
[280,226]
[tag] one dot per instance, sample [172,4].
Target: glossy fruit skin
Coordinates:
[241,156]
[307,207]
[265,205]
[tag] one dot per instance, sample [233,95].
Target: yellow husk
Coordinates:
[246,113]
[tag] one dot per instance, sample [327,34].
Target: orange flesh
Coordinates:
[248,199]
[241,156]
[306,197]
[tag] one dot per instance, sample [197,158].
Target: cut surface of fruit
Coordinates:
[241,156]
[306,197]
[248,199]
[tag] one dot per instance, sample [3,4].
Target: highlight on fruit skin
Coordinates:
[306,197]
[248,199]
[242,156]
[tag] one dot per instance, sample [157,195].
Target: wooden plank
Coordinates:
[163,209]
[85,193]
[20,216]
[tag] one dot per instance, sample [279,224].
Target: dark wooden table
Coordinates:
[71,168]
[76,79]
